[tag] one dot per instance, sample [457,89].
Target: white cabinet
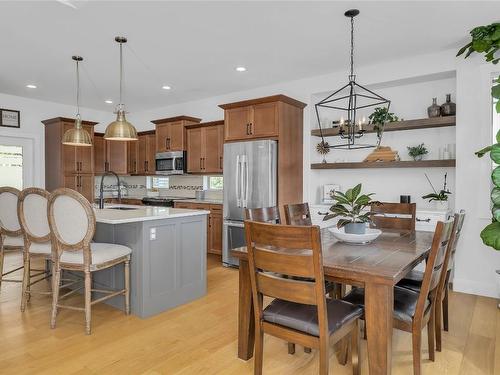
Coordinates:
[426,220]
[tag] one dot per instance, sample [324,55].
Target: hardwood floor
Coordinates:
[200,338]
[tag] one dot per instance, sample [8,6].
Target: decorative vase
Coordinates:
[441,205]
[434,110]
[418,157]
[355,228]
[448,108]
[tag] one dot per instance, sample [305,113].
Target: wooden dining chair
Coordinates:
[389,216]
[297,214]
[264,215]
[414,279]
[11,234]
[414,311]
[300,312]
[72,224]
[32,213]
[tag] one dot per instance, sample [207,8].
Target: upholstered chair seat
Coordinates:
[13,241]
[101,253]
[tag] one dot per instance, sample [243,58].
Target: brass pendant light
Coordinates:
[77,136]
[121,129]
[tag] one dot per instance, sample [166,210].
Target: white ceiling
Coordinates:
[195,46]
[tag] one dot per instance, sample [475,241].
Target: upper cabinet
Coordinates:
[205,143]
[146,153]
[171,132]
[111,155]
[257,118]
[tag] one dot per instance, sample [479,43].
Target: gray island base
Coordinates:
[169,262]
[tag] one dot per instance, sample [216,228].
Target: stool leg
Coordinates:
[88,294]
[26,282]
[291,348]
[1,261]
[55,296]
[127,287]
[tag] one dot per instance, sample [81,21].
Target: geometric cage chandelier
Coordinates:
[351,104]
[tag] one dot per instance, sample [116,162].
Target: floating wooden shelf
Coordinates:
[425,123]
[386,164]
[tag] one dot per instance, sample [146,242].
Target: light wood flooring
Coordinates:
[200,338]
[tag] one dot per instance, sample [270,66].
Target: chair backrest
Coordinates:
[72,222]
[9,221]
[264,215]
[435,264]
[459,218]
[387,216]
[32,213]
[276,252]
[297,214]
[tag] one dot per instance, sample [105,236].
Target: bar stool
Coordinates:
[72,223]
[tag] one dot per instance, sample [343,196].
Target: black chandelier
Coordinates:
[349,101]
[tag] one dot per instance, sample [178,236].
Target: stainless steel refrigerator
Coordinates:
[250,181]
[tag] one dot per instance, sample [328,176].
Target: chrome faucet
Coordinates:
[101,189]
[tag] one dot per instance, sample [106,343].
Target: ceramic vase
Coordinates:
[448,108]
[434,110]
[355,228]
[441,205]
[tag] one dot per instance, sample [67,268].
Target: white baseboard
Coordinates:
[472,287]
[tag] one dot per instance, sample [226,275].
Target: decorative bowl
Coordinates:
[370,235]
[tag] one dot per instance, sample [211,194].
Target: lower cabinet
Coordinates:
[214,228]
[84,184]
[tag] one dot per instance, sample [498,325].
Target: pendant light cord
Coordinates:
[121,72]
[77,89]
[352,48]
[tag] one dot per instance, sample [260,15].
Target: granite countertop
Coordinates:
[110,215]
[205,200]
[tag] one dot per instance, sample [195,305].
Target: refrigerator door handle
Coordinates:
[245,197]
[238,181]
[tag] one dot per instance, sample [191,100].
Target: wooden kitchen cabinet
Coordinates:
[171,133]
[205,145]
[68,166]
[146,153]
[99,154]
[214,226]
[111,155]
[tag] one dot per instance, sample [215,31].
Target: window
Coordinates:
[11,166]
[157,183]
[213,182]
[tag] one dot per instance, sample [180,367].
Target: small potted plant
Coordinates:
[417,152]
[440,198]
[349,207]
[379,118]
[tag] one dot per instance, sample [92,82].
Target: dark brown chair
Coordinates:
[388,216]
[264,215]
[413,311]
[297,214]
[413,280]
[300,312]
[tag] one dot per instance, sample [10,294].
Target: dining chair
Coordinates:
[413,280]
[297,214]
[72,224]
[389,216]
[11,234]
[414,311]
[32,213]
[299,312]
[264,214]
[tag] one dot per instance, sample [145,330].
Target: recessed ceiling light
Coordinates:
[241,69]
[31,86]
[108,101]
[166,87]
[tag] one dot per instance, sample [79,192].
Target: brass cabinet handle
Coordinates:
[220,162]
[201,167]
[248,131]
[146,165]
[251,128]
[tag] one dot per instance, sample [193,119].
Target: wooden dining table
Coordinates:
[378,266]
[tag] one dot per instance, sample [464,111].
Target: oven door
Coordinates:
[233,233]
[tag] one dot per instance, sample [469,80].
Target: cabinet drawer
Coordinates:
[427,220]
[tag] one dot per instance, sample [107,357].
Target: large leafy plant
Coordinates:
[486,40]
[380,117]
[349,206]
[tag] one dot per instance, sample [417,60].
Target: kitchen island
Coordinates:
[168,264]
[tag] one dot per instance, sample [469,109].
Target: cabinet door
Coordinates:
[86,186]
[71,182]
[176,137]
[264,121]
[210,147]
[236,124]
[117,156]
[215,229]
[150,154]
[162,137]
[99,155]
[181,205]
[69,154]
[220,129]
[84,155]
[132,148]
[194,152]
[142,154]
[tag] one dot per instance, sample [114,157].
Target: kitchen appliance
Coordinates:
[250,181]
[168,163]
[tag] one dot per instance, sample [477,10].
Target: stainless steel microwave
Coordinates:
[171,162]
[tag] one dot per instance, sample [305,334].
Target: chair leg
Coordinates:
[26,282]
[127,287]
[307,350]
[430,337]
[445,308]
[259,351]
[437,324]
[343,350]
[417,348]
[55,296]
[324,357]
[1,262]
[88,294]
[291,348]
[355,346]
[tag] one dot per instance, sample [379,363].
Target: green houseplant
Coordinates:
[440,198]
[381,116]
[486,40]
[349,206]
[417,152]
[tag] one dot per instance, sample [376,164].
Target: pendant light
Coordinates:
[351,104]
[121,129]
[77,136]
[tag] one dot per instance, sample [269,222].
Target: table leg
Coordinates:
[246,323]
[379,305]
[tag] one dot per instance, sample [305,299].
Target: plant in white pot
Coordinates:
[440,198]
[349,206]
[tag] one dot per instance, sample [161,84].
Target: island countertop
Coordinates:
[111,215]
